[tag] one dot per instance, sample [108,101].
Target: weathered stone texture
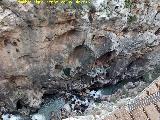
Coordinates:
[41,46]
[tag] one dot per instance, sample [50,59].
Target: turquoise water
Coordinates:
[108,90]
[53,105]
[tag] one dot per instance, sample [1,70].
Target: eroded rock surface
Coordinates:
[48,49]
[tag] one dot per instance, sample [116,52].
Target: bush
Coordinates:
[132,19]
[128,4]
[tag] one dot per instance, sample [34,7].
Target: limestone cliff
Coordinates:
[48,49]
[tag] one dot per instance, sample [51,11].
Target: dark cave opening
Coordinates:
[19,105]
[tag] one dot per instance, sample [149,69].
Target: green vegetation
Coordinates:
[126,93]
[67,71]
[53,2]
[152,74]
[113,99]
[2,23]
[128,4]
[97,103]
[42,19]
[132,19]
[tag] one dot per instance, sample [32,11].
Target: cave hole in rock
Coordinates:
[67,71]
[111,87]
[17,50]
[14,43]
[125,30]
[19,105]
[58,66]
[96,86]
[49,95]
[83,54]
[157,32]
[106,58]
[116,7]
[6,41]
[18,40]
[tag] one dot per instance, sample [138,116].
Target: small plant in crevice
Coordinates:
[147,76]
[156,72]
[67,71]
[152,74]
[114,99]
[41,19]
[131,19]
[128,4]
[126,93]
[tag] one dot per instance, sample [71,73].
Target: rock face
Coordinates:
[46,49]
